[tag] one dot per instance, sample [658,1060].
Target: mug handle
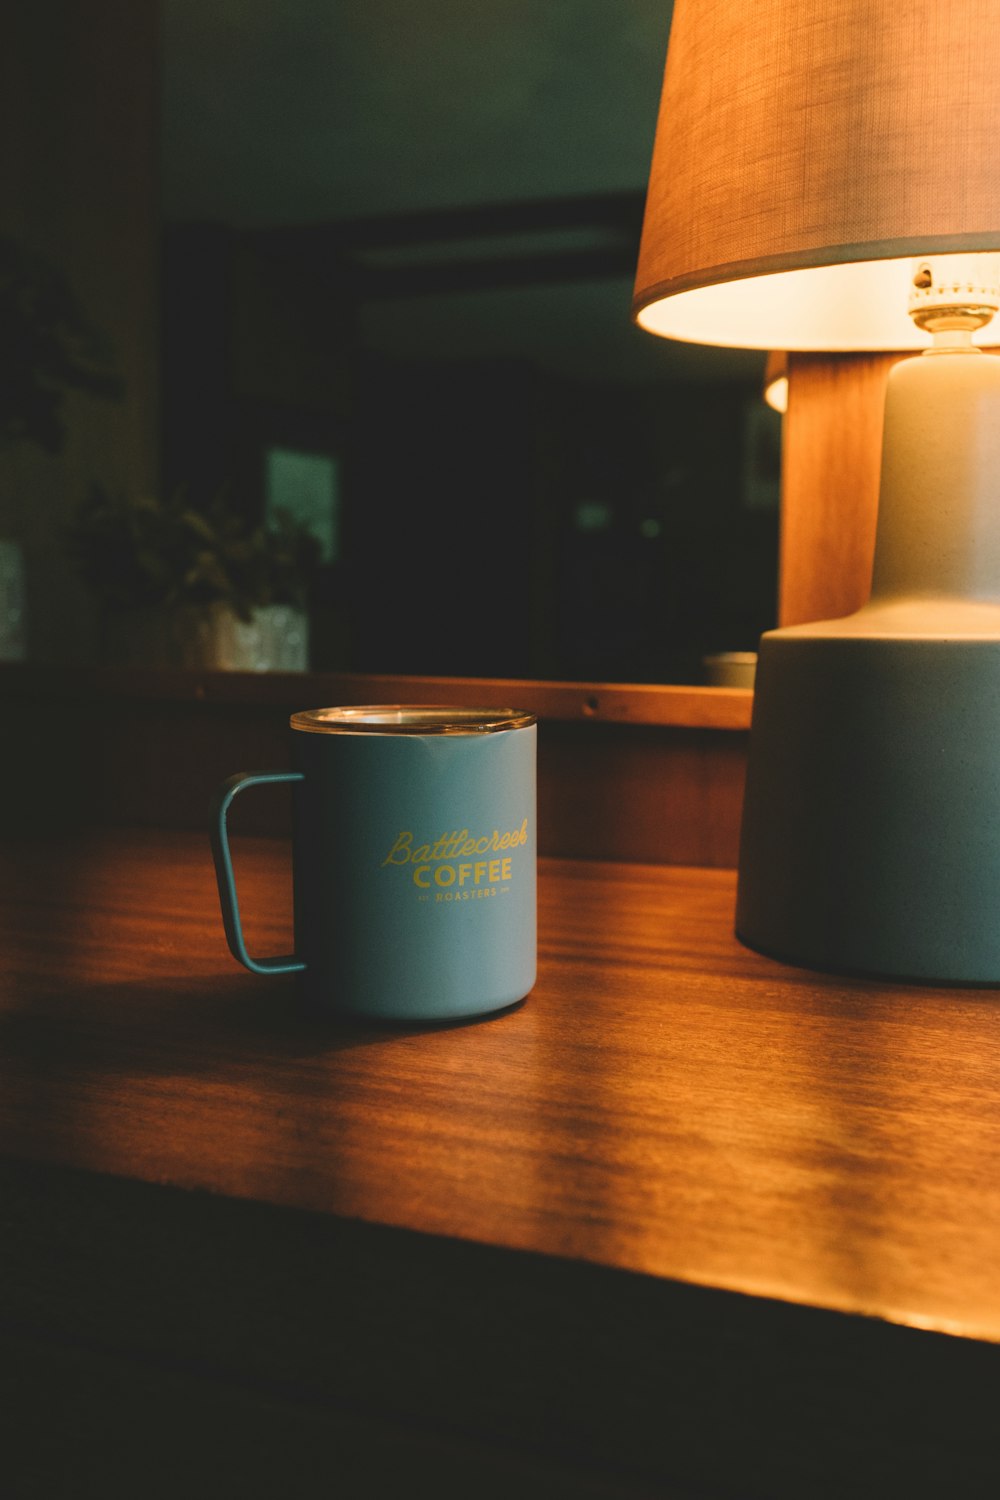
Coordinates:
[226,879]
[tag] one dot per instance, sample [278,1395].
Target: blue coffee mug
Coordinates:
[413,861]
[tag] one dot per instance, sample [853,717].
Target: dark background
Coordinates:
[406,236]
[398,241]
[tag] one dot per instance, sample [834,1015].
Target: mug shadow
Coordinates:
[189,1025]
[208,1079]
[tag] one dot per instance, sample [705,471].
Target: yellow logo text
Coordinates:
[454,846]
[489,871]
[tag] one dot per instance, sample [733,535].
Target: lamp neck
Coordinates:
[953,341]
[938,530]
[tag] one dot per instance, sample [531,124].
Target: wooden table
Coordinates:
[686,1222]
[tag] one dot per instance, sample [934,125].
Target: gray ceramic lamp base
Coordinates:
[871,832]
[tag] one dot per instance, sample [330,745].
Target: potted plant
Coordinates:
[181,586]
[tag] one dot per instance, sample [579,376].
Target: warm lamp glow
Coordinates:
[833,308]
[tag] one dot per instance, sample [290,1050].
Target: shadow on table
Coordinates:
[189,1025]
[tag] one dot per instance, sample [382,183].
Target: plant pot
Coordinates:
[209,637]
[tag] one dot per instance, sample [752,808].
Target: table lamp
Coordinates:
[827,177]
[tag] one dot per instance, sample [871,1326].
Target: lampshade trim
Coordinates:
[810,259]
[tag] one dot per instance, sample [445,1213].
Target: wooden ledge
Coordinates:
[682,707]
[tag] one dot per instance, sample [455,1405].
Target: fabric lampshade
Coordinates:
[806,151]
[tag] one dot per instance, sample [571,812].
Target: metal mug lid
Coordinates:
[409,718]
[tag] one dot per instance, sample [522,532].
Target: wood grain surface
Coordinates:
[664,1102]
[684,1223]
